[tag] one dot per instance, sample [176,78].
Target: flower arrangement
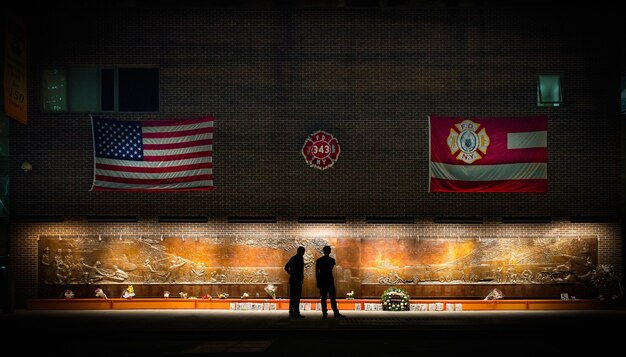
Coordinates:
[395,299]
[495,294]
[129,293]
[69,294]
[207,296]
[183,295]
[245,296]
[223,296]
[100,293]
[271,290]
[166,294]
[605,277]
[350,295]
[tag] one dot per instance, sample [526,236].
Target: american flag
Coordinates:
[165,155]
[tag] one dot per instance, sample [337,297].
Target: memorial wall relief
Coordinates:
[209,265]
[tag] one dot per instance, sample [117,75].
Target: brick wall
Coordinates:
[368,76]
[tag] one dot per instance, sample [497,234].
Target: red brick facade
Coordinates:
[368,76]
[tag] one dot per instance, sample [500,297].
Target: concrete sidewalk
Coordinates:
[272,333]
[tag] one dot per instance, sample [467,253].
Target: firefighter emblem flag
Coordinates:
[488,154]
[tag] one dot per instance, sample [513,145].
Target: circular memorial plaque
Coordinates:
[321,150]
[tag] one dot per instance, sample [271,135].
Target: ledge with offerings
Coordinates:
[311,304]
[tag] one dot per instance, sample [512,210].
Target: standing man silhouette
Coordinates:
[295,269]
[326,283]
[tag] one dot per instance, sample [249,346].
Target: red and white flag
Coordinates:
[163,155]
[488,154]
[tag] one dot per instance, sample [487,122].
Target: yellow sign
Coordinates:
[15,99]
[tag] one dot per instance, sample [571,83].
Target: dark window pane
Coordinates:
[139,89]
[107,91]
[83,89]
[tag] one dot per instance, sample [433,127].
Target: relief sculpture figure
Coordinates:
[172,271]
[198,271]
[118,274]
[150,272]
[45,262]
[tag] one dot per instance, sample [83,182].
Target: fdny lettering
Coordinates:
[466,126]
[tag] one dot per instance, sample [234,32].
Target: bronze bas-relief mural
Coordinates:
[149,260]
[476,261]
[360,261]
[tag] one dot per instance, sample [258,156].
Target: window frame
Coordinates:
[544,103]
[99,68]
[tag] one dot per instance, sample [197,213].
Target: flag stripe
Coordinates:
[152,176]
[178,127]
[536,186]
[523,171]
[207,165]
[174,134]
[534,139]
[179,145]
[182,139]
[188,150]
[170,155]
[188,186]
[154,181]
[200,160]
[506,156]
[178,157]
[177,122]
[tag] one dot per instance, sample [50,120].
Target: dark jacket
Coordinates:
[295,269]
[324,271]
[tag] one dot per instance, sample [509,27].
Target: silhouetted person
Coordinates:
[326,283]
[295,269]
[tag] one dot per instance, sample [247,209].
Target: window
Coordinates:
[549,90]
[623,95]
[89,89]
[139,89]
[54,85]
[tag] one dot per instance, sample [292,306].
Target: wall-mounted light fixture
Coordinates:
[459,220]
[390,220]
[27,166]
[322,219]
[183,219]
[524,219]
[251,219]
[111,219]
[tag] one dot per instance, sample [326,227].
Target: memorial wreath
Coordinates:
[395,299]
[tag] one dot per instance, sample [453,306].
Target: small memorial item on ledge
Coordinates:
[495,294]
[69,294]
[245,296]
[166,294]
[100,293]
[129,293]
[223,296]
[564,296]
[350,295]
[183,295]
[271,290]
[207,296]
